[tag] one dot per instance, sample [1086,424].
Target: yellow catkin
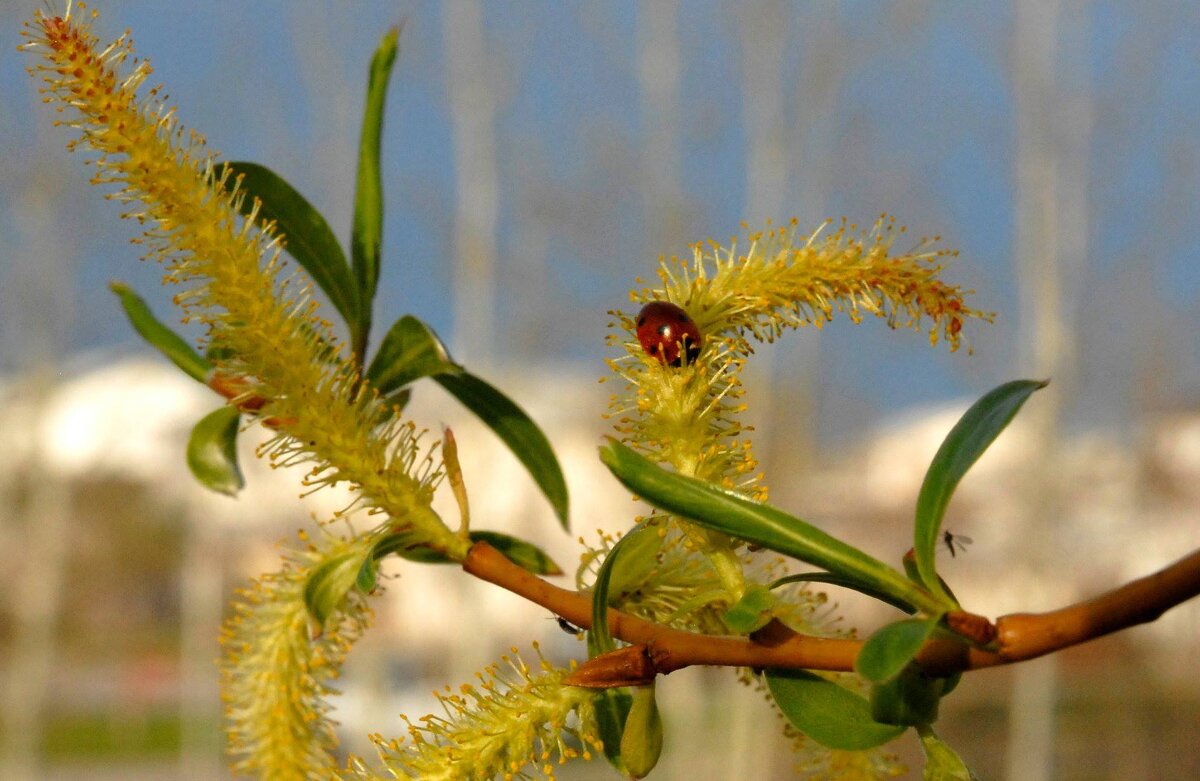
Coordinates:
[233,279]
[277,669]
[510,726]
[233,276]
[688,416]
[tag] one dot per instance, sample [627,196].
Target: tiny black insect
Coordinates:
[956,542]
[567,626]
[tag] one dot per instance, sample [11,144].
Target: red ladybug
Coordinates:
[667,333]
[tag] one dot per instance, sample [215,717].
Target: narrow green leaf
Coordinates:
[910,569]
[941,761]
[599,636]
[367,234]
[891,648]
[639,558]
[950,683]
[642,738]
[524,554]
[613,705]
[612,712]
[368,575]
[212,451]
[751,612]
[909,699]
[328,584]
[398,400]
[411,350]
[963,446]
[845,582]
[407,546]
[162,338]
[829,714]
[308,237]
[758,523]
[517,430]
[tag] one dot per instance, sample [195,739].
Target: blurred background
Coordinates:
[538,158]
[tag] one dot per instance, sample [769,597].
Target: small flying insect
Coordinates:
[956,542]
[567,626]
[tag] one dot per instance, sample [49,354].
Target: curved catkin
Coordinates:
[688,416]
[517,722]
[276,675]
[234,280]
[233,277]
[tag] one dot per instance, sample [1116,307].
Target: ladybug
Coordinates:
[666,332]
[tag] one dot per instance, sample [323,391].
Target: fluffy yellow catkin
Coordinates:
[232,272]
[275,675]
[233,280]
[687,416]
[517,723]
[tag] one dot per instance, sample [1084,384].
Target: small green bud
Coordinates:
[909,699]
[642,740]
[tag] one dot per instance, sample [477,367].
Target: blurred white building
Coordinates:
[1128,509]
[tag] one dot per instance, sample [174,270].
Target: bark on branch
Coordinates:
[658,649]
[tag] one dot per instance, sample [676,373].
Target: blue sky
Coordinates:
[918,120]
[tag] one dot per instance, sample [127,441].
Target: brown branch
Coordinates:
[658,649]
[1027,635]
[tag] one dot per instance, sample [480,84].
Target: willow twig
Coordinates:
[659,650]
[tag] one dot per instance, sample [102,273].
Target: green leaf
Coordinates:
[639,558]
[950,683]
[758,523]
[367,233]
[396,402]
[642,737]
[309,238]
[963,446]
[212,451]
[910,569]
[328,583]
[751,612]
[941,762]
[613,705]
[368,575]
[845,582]
[829,714]
[892,647]
[612,712]
[166,341]
[517,430]
[411,350]
[599,638]
[908,699]
[524,554]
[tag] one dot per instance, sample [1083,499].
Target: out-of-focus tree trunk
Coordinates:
[1050,246]
[41,313]
[477,201]
[660,69]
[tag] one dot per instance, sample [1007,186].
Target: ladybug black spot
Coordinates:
[666,332]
